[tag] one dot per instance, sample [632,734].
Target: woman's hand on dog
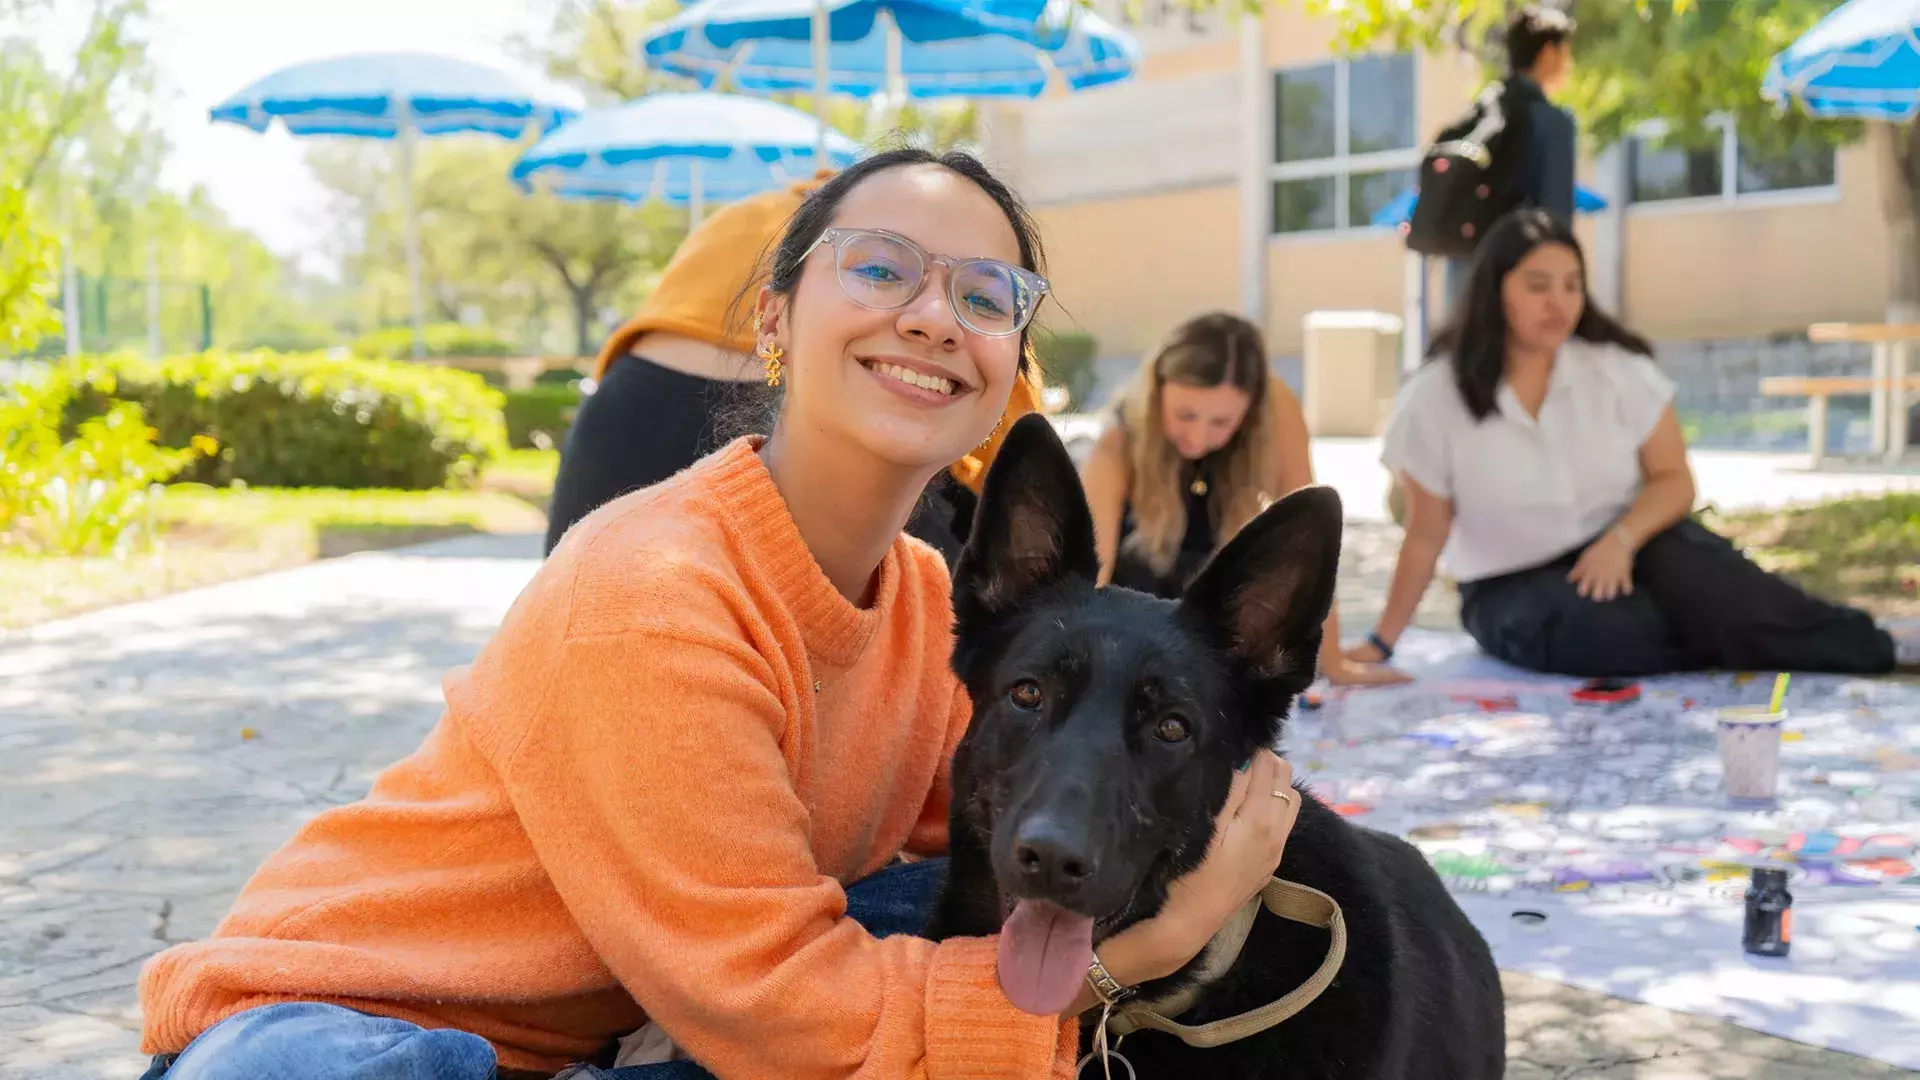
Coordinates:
[1249,837]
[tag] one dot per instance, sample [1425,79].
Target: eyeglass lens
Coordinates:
[883,272]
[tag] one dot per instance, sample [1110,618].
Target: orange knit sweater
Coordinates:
[642,801]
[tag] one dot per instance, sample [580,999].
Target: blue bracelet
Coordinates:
[1374,639]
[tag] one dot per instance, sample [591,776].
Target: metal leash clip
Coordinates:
[1106,1054]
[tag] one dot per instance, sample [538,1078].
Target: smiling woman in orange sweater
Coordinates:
[724,699]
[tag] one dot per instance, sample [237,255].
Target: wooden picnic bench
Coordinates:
[1817,389]
[1887,386]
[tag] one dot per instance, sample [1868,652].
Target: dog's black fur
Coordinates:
[1086,795]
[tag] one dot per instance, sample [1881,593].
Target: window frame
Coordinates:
[1730,196]
[1342,166]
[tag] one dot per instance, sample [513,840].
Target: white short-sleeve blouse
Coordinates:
[1526,491]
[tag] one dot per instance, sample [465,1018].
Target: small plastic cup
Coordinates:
[1749,752]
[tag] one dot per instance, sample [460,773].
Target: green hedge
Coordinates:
[1066,359]
[307,420]
[437,339]
[543,410]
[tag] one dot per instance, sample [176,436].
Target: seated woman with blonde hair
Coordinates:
[1201,439]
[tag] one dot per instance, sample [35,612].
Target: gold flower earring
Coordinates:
[772,356]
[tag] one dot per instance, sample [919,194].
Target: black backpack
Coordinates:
[1471,174]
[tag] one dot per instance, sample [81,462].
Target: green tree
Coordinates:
[84,149]
[594,45]
[525,263]
[1688,63]
[487,248]
[45,108]
[27,269]
[42,111]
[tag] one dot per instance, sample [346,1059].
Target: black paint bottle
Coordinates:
[1769,930]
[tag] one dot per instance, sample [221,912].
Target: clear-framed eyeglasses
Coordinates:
[885,272]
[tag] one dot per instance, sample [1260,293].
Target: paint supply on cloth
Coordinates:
[1749,738]
[1607,692]
[1769,922]
[1779,692]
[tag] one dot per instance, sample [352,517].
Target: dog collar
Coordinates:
[1286,899]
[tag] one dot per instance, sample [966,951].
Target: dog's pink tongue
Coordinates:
[1044,954]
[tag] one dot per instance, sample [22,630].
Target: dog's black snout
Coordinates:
[1052,861]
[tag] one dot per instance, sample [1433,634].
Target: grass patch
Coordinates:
[209,535]
[527,474]
[1864,552]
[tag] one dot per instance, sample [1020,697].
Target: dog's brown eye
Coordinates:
[1171,729]
[1026,694]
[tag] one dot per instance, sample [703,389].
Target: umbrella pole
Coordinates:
[819,35]
[413,234]
[896,77]
[696,196]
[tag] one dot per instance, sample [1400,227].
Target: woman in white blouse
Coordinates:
[1540,449]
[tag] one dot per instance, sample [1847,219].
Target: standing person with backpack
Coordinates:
[1513,148]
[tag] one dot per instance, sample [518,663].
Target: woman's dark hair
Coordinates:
[815,215]
[1531,30]
[1476,337]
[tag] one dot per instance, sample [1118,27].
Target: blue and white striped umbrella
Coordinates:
[1861,61]
[928,48]
[381,95]
[736,21]
[687,149]
[1399,210]
[396,95]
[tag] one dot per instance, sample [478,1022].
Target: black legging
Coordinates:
[1697,604]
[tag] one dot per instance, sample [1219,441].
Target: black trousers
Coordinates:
[1698,604]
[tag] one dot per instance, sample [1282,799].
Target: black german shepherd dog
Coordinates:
[1107,727]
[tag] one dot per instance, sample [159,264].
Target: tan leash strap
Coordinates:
[1289,901]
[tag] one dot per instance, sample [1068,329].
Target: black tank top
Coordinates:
[1196,547]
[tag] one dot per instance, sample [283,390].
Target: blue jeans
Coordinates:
[310,1041]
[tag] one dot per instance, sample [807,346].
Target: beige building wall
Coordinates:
[1138,188]
[1762,264]
[1127,285]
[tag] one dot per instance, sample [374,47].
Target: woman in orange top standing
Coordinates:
[720,703]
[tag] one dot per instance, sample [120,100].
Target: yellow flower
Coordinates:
[205,444]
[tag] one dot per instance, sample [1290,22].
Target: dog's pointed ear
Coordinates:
[1032,528]
[1267,592]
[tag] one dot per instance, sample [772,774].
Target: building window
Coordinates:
[1662,172]
[1790,170]
[1659,172]
[1343,141]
